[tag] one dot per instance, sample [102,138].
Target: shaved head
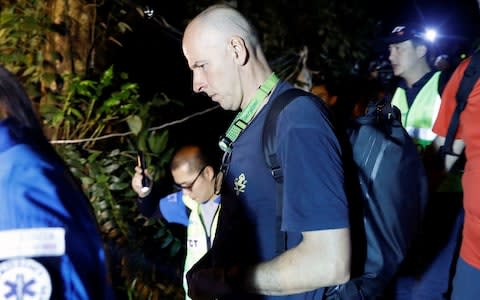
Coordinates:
[223,51]
[225,22]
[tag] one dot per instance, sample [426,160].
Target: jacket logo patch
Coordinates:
[24,279]
[32,242]
[240,184]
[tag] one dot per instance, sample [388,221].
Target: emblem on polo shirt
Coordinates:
[25,279]
[240,184]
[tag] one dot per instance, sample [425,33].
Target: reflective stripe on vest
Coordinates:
[419,118]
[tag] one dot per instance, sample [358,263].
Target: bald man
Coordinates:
[228,64]
[195,205]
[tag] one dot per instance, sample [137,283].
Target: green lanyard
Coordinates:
[244,117]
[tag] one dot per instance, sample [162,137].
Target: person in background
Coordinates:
[442,62]
[195,206]
[228,64]
[325,89]
[51,246]
[426,273]
[467,274]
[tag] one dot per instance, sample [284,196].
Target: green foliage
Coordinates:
[23,29]
[93,110]
[90,108]
[141,249]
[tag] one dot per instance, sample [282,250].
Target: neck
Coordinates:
[212,197]
[253,78]
[416,74]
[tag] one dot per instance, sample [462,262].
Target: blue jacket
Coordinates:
[48,235]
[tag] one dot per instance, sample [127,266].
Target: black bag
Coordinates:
[393,194]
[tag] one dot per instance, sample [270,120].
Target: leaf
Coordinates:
[122,26]
[160,233]
[107,76]
[87,181]
[93,156]
[175,248]
[118,186]
[157,143]
[150,222]
[110,103]
[114,153]
[75,112]
[135,124]
[142,141]
[29,71]
[111,168]
[115,41]
[167,241]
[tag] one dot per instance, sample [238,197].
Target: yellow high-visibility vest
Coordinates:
[199,238]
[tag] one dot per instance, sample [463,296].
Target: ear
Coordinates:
[239,50]
[209,172]
[421,50]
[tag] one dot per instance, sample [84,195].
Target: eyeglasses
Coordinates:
[190,185]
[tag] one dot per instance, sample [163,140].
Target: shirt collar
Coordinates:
[420,83]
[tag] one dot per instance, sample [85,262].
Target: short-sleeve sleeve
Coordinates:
[448,104]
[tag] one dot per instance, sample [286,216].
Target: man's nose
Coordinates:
[199,84]
[390,55]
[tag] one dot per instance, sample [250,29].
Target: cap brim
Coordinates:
[396,39]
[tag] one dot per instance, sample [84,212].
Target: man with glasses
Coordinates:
[195,206]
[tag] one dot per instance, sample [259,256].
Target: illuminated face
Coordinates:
[214,70]
[198,184]
[403,57]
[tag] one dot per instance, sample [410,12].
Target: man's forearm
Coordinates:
[322,259]
[457,148]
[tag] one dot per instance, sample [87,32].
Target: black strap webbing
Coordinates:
[271,159]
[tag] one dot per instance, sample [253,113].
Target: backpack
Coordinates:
[392,193]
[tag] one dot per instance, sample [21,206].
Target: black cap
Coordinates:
[404,33]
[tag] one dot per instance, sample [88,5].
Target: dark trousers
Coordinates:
[428,269]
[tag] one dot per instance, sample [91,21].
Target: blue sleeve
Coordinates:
[313,189]
[42,194]
[149,206]
[173,209]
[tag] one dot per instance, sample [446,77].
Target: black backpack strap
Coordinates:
[470,77]
[270,130]
[271,158]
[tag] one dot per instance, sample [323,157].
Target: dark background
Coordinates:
[152,54]
[457,21]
